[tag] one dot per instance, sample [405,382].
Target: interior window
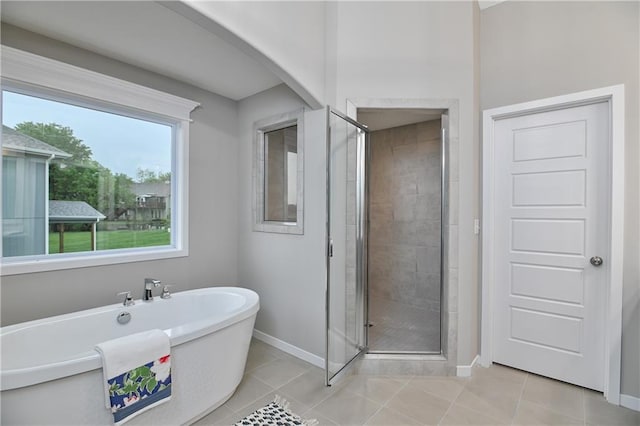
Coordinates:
[280,174]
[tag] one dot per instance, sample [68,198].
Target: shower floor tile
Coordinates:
[399,327]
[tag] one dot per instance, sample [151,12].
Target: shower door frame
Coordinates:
[446,363]
[444,195]
[361,265]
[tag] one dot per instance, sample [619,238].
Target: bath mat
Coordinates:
[275,413]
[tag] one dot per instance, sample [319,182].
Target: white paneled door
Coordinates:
[551,239]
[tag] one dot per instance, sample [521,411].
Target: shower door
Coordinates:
[346,245]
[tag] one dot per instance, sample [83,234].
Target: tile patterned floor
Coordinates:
[402,327]
[492,396]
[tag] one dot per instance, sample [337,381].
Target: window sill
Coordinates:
[88,259]
[279,227]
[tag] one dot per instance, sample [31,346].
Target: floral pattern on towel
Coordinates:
[139,383]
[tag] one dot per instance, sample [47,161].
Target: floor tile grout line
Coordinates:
[446,378]
[555,412]
[246,405]
[452,403]
[384,378]
[272,389]
[383,405]
[280,393]
[356,394]
[515,413]
[475,410]
[375,412]
[584,408]
[398,391]
[258,379]
[306,370]
[343,384]
[289,399]
[287,382]
[313,406]
[255,367]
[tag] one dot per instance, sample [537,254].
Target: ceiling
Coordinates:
[148,35]
[385,118]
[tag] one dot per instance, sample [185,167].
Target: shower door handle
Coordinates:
[330,248]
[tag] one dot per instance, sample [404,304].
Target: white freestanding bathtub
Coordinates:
[51,374]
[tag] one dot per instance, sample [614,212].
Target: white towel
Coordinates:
[137,373]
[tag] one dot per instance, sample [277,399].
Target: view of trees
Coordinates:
[145,175]
[82,178]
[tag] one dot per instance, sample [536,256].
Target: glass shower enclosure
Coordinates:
[386,206]
[346,242]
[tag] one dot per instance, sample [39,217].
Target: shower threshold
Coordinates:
[406,356]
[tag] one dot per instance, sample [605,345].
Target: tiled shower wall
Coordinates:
[404,238]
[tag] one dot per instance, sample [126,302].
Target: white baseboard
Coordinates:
[289,348]
[465,370]
[631,402]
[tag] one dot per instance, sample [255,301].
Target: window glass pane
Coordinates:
[77,179]
[9,166]
[23,206]
[292,187]
[280,174]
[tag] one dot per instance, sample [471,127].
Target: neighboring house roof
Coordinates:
[158,189]
[12,140]
[73,211]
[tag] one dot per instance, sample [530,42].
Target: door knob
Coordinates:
[596,261]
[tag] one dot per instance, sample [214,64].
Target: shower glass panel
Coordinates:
[346,254]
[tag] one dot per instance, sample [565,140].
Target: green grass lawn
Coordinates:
[107,240]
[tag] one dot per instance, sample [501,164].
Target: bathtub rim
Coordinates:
[90,360]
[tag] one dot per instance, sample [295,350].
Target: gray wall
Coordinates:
[287,271]
[212,210]
[534,50]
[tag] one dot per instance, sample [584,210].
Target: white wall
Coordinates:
[212,211]
[288,33]
[418,50]
[534,50]
[287,271]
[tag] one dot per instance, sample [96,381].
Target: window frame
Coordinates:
[34,75]
[261,127]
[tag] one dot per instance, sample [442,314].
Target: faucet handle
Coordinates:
[148,282]
[165,292]
[128,301]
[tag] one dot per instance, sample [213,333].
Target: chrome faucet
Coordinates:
[128,301]
[149,284]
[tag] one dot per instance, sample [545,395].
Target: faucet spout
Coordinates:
[149,284]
